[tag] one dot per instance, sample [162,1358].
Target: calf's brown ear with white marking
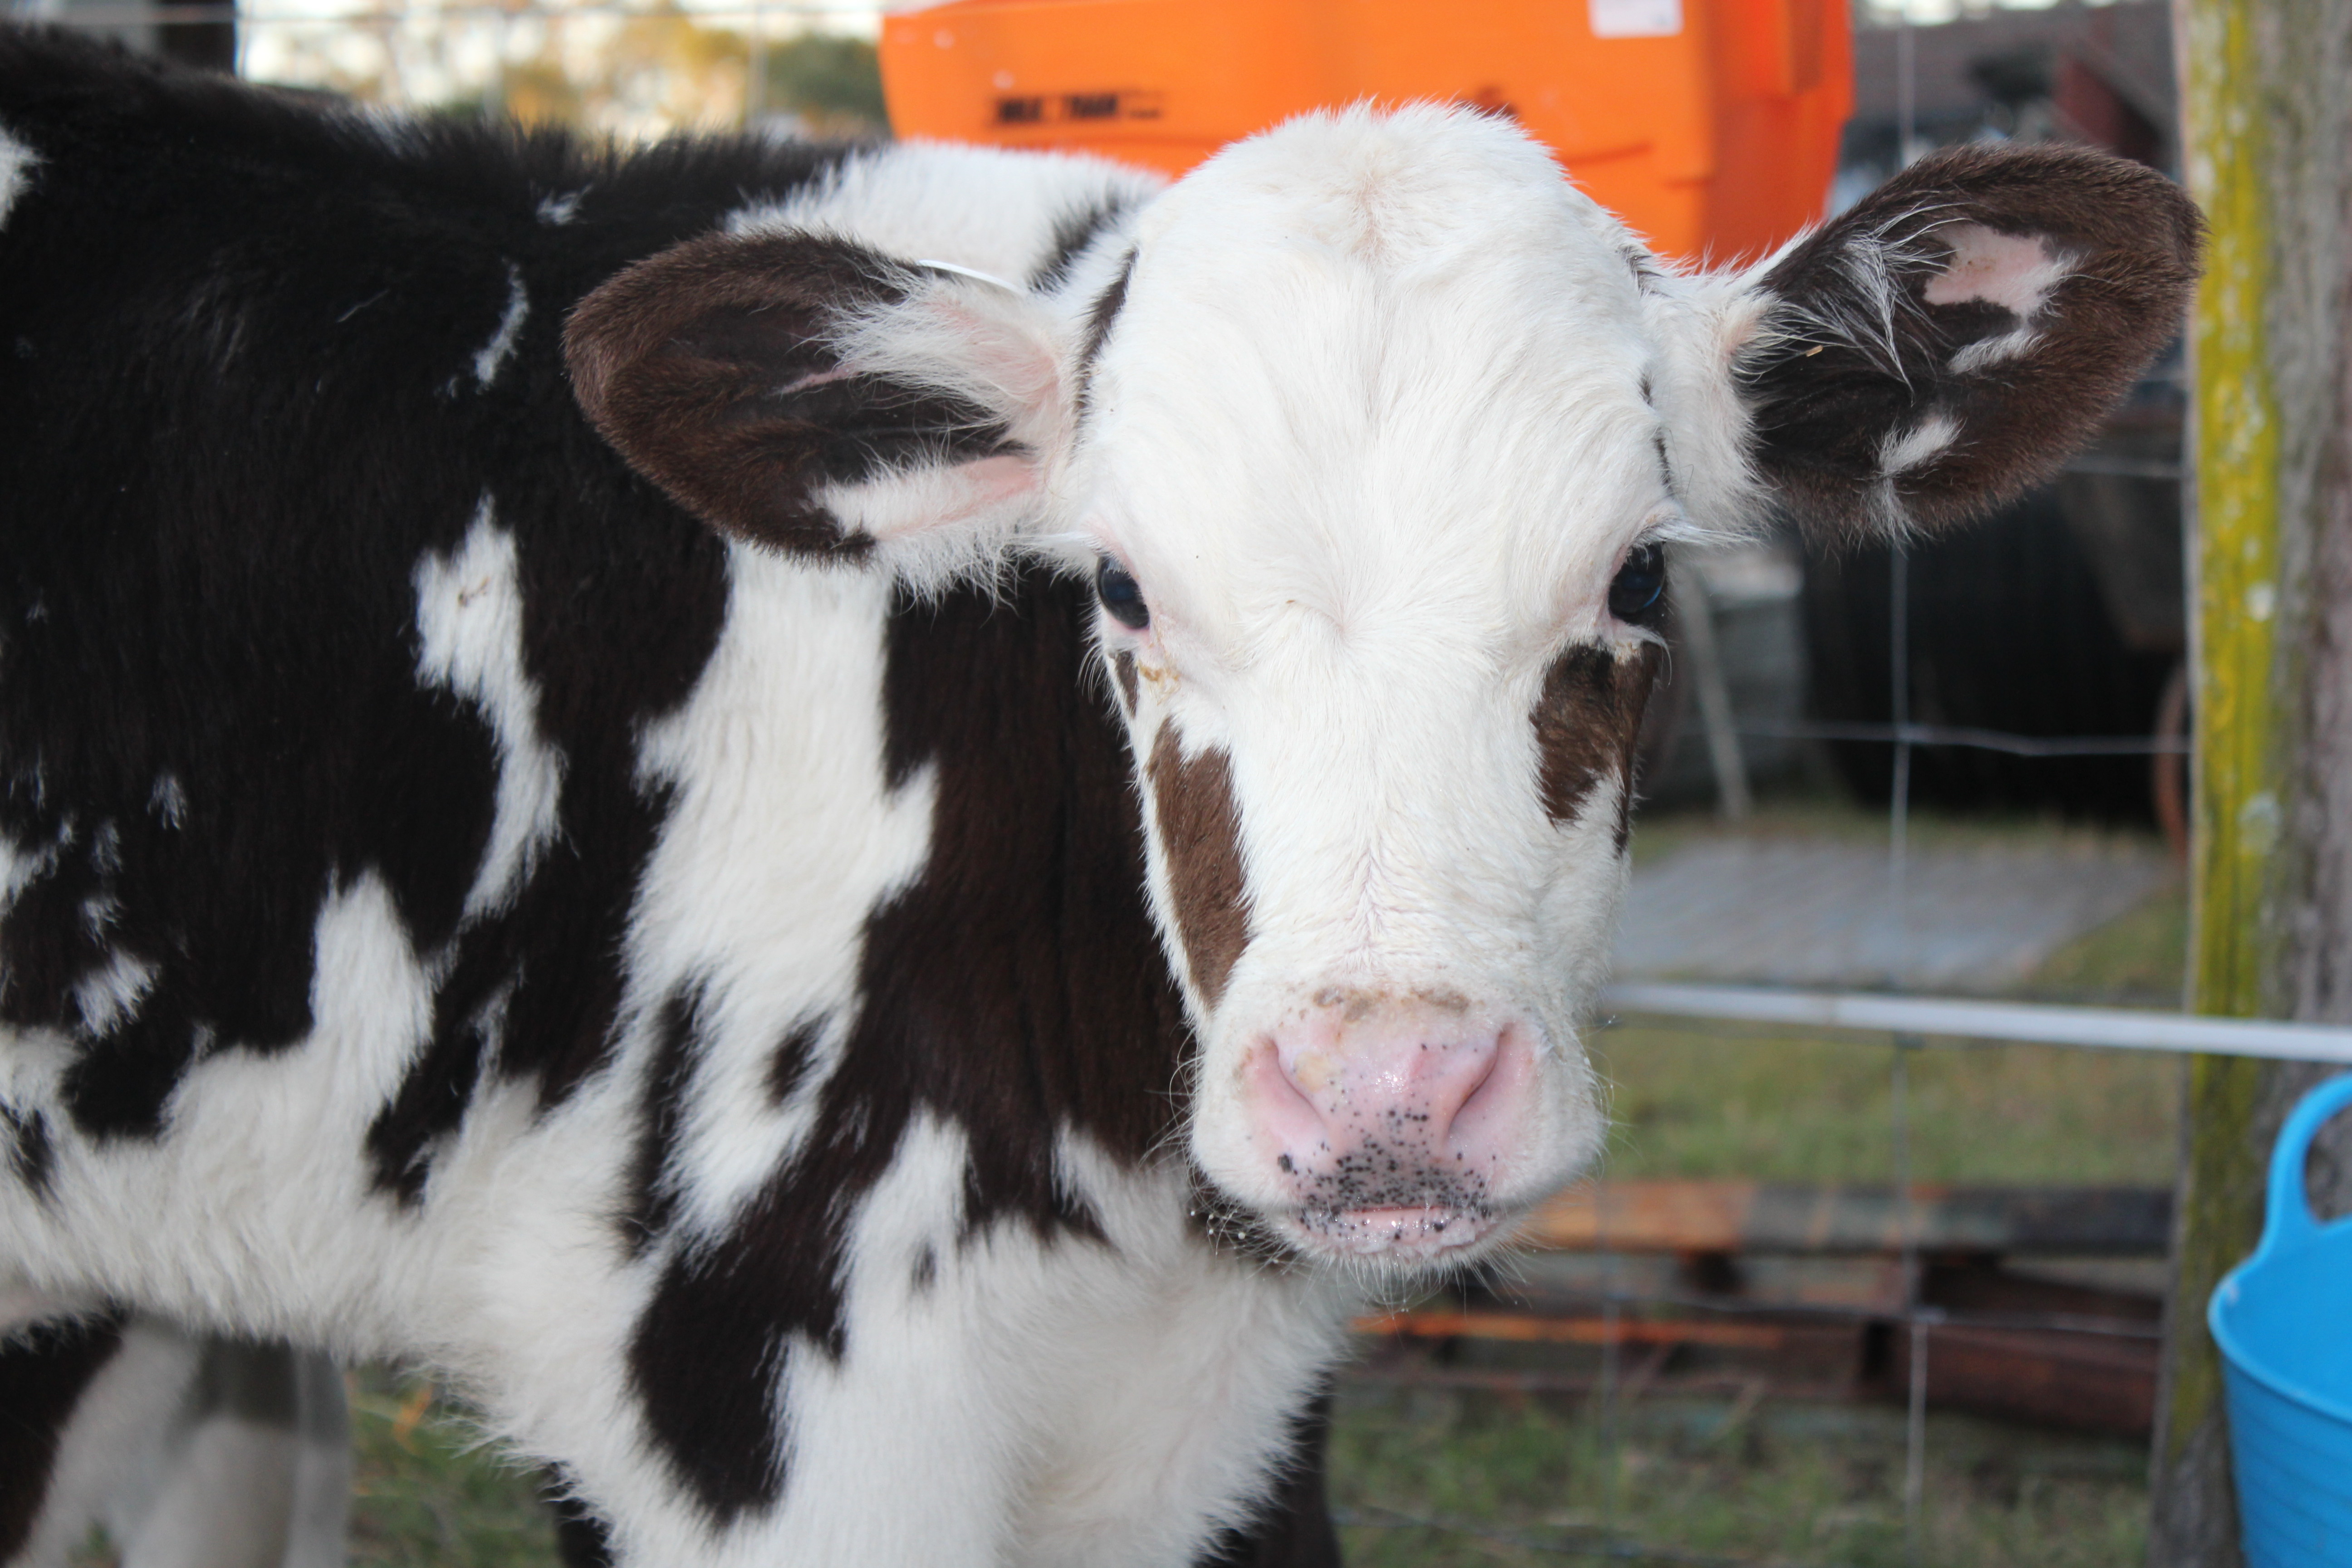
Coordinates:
[1954,337]
[809,395]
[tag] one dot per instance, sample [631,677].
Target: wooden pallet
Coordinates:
[1815,1285]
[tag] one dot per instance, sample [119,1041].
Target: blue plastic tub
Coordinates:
[2283,1320]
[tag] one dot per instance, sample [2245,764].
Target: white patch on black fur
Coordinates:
[978,209]
[16,164]
[21,867]
[560,208]
[501,348]
[168,800]
[107,998]
[469,625]
[1986,353]
[2014,271]
[783,838]
[1923,443]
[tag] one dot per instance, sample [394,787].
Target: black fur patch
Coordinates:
[580,1539]
[1099,323]
[30,1153]
[244,403]
[1017,987]
[1075,230]
[676,1025]
[789,1064]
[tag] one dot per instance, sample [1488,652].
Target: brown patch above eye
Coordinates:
[1199,831]
[1586,723]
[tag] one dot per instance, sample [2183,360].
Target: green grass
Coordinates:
[1750,1482]
[425,1493]
[2139,960]
[1792,1109]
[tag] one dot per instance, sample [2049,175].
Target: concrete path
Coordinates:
[1802,912]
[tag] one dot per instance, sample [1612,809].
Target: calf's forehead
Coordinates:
[1362,364]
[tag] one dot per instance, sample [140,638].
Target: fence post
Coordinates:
[2267,144]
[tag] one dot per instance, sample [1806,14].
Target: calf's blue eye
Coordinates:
[1639,593]
[1120,595]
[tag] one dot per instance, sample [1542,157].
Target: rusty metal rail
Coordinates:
[1682,1216]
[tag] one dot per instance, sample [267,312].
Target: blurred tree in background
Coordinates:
[828,80]
[633,73]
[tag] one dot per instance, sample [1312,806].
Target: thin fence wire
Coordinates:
[1911,736]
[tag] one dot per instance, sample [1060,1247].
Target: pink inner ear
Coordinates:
[904,504]
[2015,271]
[995,479]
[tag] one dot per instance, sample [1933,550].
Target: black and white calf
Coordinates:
[863,830]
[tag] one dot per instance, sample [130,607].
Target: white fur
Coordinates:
[2015,271]
[18,163]
[1986,353]
[251,1213]
[20,865]
[470,631]
[105,997]
[168,800]
[1903,450]
[1371,434]
[782,836]
[1181,1376]
[975,208]
[495,354]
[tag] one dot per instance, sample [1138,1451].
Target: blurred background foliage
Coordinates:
[630,73]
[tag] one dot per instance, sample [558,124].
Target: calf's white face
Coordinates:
[1370,433]
[1364,447]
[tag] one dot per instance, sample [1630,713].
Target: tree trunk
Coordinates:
[2268,146]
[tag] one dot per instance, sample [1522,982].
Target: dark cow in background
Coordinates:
[865,831]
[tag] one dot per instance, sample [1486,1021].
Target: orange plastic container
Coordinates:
[1710,125]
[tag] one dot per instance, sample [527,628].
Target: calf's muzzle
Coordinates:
[1389,1121]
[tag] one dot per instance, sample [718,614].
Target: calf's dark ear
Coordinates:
[805,394]
[1950,340]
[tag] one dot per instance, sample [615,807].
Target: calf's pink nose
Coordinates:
[1388,1104]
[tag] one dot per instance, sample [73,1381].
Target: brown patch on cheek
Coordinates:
[1586,723]
[1122,668]
[1200,832]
